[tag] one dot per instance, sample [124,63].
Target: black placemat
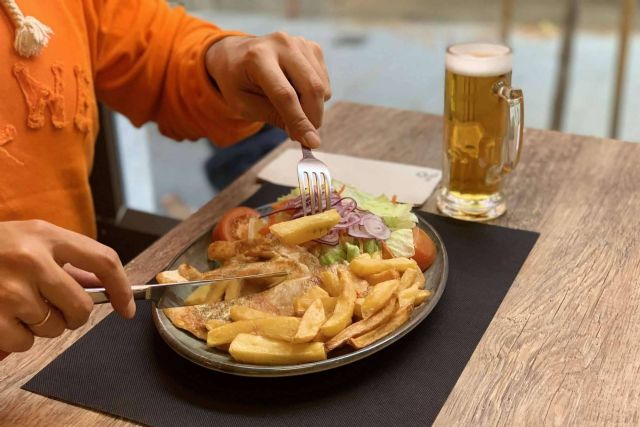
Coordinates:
[124,368]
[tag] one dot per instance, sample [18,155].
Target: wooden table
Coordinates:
[564,346]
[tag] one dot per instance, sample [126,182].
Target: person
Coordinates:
[149,62]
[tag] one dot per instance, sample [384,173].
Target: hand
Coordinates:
[34,282]
[278,79]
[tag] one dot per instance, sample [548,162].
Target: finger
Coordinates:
[14,336]
[313,52]
[89,255]
[53,327]
[84,278]
[284,98]
[307,84]
[33,309]
[68,296]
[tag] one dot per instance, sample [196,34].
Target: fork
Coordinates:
[313,178]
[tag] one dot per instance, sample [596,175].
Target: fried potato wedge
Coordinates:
[242,312]
[343,312]
[306,228]
[398,319]
[259,350]
[383,276]
[379,296]
[330,282]
[198,296]
[364,267]
[362,326]
[278,327]
[234,290]
[311,322]
[303,302]
[408,278]
[214,323]
[357,308]
[170,276]
[361,286]
[407,296]
[189,272]
[301,305]
[421,296]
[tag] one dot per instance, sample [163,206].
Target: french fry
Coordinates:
[214,323]
[398,319]
[242,312]
[310,324]
[331,283]
[303,302]
[376,255]
[364,267]
[420,281]
[383,276]
[306,228]
[409,278]
[357,308]
[361,286]
[300,305]
[170,276]
[378,297]
[216,292]
[279,327]
[234,290]
[421,296]
[259,350]
[341,316]
[198,296]
[222,250]
[407,296]
[189,272]
[362,326]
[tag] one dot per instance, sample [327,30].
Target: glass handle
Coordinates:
[512,145]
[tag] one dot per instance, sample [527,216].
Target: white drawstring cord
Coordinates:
[31,34]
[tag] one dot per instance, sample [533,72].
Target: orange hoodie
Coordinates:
[139,57]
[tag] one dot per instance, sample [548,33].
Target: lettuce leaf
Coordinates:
[400,243]
[395,215]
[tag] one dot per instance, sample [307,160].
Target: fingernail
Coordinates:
[131,310]
[311,139]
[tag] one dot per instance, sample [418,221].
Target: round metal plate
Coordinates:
[197,351]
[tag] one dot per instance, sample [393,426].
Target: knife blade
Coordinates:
[156,291]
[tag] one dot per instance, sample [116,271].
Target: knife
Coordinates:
[156,291]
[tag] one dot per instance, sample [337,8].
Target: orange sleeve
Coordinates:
[148,64]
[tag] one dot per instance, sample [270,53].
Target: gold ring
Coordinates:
[43,321]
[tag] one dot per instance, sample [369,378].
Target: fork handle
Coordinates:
[306,152]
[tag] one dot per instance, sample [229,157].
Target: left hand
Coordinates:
[278,79]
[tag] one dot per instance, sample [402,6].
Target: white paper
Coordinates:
[409,183]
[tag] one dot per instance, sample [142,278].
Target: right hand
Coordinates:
[33,281]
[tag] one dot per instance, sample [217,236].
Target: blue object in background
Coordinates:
[229,163]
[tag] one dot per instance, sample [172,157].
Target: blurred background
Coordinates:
[575,60]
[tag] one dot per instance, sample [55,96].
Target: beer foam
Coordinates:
[479,59]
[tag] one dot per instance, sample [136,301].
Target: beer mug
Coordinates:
[483,124]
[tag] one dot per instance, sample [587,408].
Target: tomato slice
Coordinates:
[233,224]
[425,249]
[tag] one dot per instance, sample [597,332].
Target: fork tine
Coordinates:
[313,192]
[327,190]
[303,190]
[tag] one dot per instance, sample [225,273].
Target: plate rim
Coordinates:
[166,330]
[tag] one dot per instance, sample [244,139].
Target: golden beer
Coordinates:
[482,130]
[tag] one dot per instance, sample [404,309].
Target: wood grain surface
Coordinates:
[564,346]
